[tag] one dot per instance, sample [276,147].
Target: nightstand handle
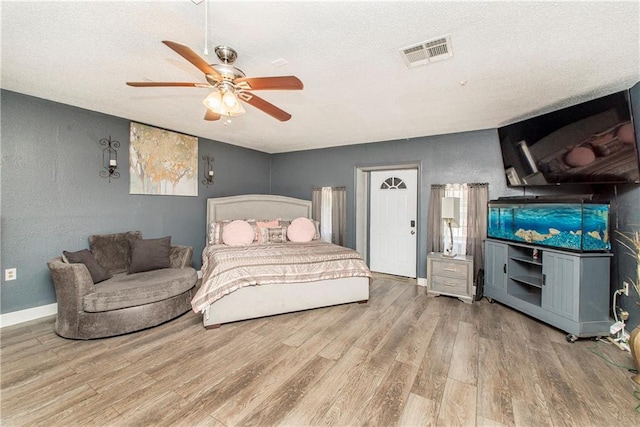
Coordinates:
[449,269]
[448,284]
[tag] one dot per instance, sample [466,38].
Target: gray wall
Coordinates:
[623,265]
[53,197]
[453,158]
[462,157]
[627,203]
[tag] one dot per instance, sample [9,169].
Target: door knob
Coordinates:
[413,231]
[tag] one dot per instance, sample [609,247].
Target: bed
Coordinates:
[259,300]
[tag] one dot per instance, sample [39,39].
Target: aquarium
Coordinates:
[579,226]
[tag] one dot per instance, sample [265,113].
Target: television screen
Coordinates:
[592,142]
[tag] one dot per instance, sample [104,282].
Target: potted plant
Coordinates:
[631,242]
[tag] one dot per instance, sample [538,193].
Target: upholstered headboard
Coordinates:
[256,206]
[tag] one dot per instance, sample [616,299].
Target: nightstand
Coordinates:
[451,276]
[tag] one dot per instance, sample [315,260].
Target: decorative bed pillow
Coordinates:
[284,224]
[301,230]
[150,254]
[262,226]
[215,231]
[276,234]
[238,233]
[97,272]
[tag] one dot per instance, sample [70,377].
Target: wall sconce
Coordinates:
[451,214]
[109,158]
[208,169]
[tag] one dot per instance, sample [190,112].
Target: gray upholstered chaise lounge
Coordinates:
[125,302]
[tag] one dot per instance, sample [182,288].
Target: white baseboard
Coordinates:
[422,281]
[22,316]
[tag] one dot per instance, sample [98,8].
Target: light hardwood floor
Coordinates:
[404,358]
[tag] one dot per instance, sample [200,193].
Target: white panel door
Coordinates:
[393,220]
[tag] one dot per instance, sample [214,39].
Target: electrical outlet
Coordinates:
[625,288]
[10,274]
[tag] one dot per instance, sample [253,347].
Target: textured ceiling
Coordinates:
[511,60]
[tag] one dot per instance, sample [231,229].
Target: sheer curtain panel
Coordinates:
[478,198]
[329,206]
[459,231]
[434,219]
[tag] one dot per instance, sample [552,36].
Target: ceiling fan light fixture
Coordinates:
[229,99]
[214,102]
[237,110]
[226,104]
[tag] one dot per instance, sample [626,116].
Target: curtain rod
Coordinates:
[469,184]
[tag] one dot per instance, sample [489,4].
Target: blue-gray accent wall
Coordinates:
[627,202]
[453,158]
[53,197]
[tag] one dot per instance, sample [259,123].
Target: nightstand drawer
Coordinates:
[450,269]
[452,276]
[449,285]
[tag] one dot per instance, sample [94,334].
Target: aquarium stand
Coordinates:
[565,289]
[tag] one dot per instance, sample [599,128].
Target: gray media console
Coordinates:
[564,289]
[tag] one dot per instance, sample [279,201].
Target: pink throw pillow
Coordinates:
[263,225]
[301,230]
[238,233]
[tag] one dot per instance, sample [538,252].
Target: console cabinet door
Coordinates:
[560,284]
[495,274]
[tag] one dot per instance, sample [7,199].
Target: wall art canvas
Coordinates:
[162,162]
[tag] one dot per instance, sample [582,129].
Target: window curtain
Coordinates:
[329,206]
[434,219]
[459,231]
[478,197]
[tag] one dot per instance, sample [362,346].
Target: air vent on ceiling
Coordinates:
[427,52]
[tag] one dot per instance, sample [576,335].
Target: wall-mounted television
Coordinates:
[592,142]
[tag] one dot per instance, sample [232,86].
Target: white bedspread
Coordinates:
[228,268]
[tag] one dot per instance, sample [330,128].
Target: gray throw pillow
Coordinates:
[113,251]
[150,254]
[97,272]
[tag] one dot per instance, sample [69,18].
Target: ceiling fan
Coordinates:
[229,85]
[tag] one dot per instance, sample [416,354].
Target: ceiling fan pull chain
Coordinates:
[206,27]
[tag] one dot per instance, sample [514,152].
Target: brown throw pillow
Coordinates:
[97,272]
[150,254]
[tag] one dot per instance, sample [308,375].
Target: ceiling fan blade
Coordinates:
[194,58]
[265,106]
[211,116]
[275,83]
[167,84]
